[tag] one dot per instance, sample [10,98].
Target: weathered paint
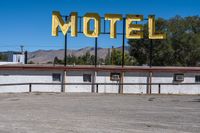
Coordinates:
[74,76]
[7,77]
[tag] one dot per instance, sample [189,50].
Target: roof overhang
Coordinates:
[101,68]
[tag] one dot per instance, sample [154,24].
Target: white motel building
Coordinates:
[101,79]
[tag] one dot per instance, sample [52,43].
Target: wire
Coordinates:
[30,46]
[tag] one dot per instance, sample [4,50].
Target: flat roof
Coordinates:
[99,68]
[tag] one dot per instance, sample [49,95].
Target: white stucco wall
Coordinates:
[9,63]
[20,58]
[104,77]
[135,77]
[7,77]
[175,89]
[24,76]
[77,77]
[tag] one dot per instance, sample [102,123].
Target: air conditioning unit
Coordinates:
[115,76]
[179,77]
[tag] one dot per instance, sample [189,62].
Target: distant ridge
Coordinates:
[44,56]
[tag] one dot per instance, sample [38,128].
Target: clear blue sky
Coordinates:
[28,22]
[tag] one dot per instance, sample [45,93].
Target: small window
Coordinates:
[56,77]
[179,77]
[87,78]
[115,76]
[197,78]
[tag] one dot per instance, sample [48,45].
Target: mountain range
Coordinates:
[44,56]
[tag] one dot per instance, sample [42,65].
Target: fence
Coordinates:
[99,84]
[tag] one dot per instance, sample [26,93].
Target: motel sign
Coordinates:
[133,31]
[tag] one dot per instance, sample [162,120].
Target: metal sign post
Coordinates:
[65,50]
[150,53]
[104,32]
[123,42]
[96,46]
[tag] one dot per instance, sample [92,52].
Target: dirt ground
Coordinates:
[98,113]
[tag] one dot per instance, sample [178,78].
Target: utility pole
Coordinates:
[22,49]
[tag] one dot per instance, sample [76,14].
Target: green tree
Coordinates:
[71,60]
[57,61]
[31,62]
[3,57]
[116,58]
[181,48]
[185,40]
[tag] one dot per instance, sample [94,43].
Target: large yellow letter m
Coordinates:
[57,22]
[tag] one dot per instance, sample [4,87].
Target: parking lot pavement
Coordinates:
[98,113]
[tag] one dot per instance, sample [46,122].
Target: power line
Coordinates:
[32,46]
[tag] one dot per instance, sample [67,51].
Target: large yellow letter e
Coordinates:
[134,31]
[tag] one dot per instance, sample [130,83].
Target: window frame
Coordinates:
[197,78]
[87,77]
[56,77]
